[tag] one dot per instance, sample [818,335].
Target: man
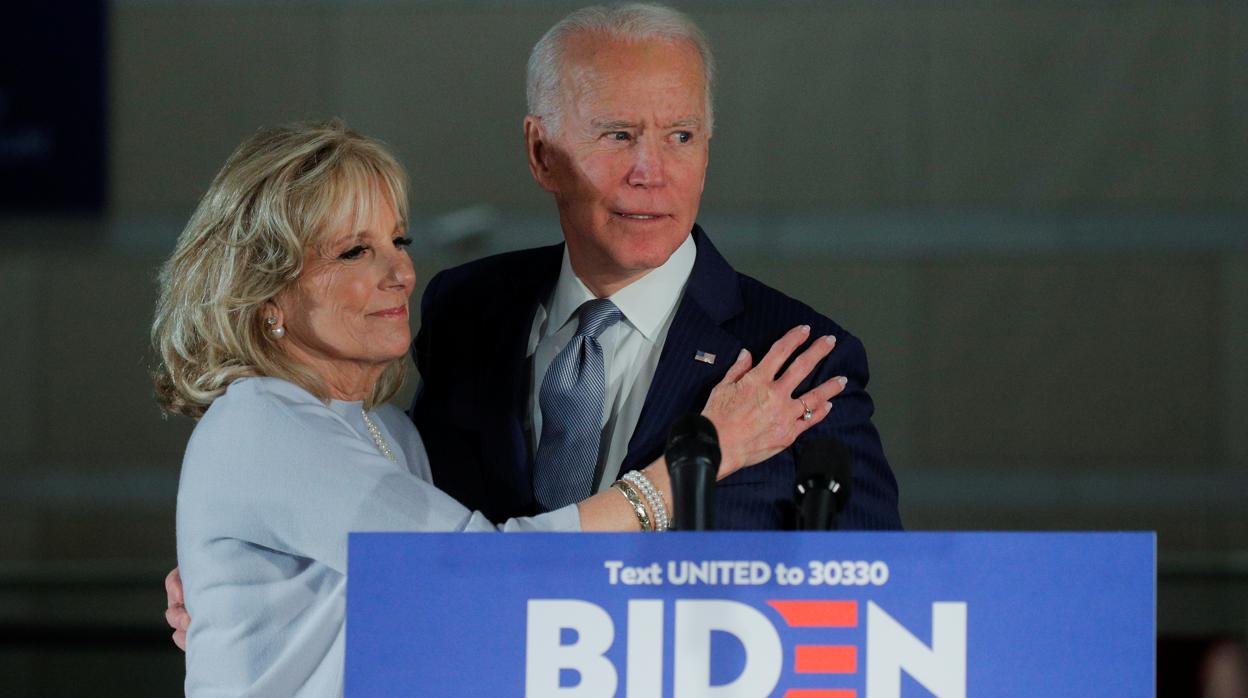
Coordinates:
[618,132]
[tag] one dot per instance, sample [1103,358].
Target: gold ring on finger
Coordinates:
[808,414]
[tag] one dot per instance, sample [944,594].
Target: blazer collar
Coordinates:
[681,380]
[713,285]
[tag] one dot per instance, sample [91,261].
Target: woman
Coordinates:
[282,327]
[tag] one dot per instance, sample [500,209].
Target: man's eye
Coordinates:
[402,241]
[354,252]
[618,135]
[683,136]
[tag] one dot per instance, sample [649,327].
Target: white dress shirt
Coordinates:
[631,348]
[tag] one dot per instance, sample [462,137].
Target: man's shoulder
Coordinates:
[469,312]
[485,276]
[749,308]
[770,312]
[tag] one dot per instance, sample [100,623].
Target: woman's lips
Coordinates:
[399,311]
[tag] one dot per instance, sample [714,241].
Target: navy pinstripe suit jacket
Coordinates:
[475,325]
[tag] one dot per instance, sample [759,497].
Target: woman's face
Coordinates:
[346,315]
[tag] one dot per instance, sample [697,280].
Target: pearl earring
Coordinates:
[274,329]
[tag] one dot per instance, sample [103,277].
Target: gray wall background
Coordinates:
[1034,213]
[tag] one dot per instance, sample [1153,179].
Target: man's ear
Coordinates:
[538,150]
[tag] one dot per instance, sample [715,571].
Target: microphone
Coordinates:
[823,476]
[692,462]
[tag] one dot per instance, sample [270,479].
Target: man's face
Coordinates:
[629,162]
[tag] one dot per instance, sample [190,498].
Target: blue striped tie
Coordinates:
[572,397]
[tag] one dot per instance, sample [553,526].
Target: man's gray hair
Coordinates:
[630,22]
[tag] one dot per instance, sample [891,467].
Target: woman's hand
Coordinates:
[755,412]
[175,614]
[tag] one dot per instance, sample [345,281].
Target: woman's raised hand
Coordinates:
[754,409]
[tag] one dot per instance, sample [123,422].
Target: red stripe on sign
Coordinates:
[818,614]
[821,693]
[825,659]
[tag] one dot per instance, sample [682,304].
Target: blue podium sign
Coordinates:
[752,615]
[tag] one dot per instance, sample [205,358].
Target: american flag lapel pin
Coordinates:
[704,356]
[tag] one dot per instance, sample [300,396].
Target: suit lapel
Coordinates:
[681,383]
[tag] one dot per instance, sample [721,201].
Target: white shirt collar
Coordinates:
[645,303]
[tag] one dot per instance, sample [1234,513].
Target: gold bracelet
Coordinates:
[643,517]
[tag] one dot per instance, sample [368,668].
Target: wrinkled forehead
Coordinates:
[596,61]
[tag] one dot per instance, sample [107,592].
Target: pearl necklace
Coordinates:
[378,439]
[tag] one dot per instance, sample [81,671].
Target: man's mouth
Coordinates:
[638,216]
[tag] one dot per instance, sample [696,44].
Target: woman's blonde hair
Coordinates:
[276,197]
